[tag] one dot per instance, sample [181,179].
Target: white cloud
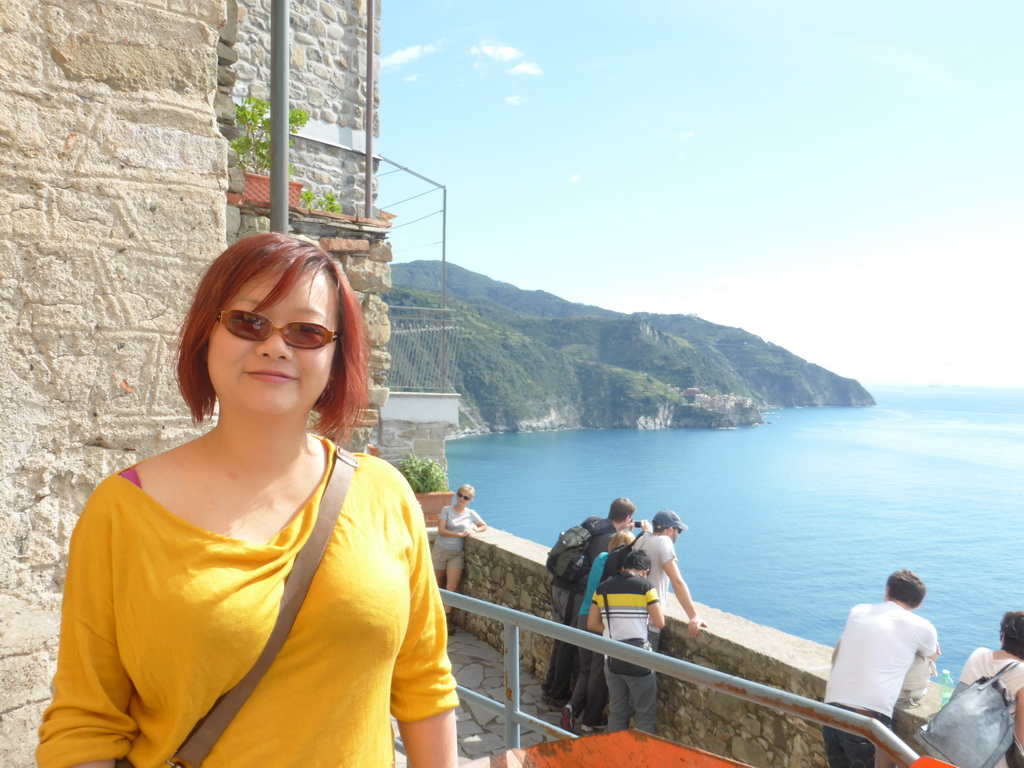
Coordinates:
[516,101]
[411,78]
[574,178]
[503,53]
[526,68]
[404,56]
[686,136]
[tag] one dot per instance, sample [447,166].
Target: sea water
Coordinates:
[794,522]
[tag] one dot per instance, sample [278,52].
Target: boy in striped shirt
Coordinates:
[623,607]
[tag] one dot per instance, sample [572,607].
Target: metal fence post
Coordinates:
[511,685]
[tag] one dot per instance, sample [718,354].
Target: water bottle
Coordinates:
[946,686]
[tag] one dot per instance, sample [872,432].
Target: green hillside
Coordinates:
[512,381]
[530,360]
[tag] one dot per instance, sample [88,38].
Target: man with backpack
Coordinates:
[569,562]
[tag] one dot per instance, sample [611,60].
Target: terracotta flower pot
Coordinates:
[257,190]
[432,504]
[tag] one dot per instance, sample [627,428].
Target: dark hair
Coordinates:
[620,510]
[341,404]
[907,587]
[637,560]
[1012,630]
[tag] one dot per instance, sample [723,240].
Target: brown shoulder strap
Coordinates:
[197,746]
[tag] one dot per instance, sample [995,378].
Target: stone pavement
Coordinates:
[479,667]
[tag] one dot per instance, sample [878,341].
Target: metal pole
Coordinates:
[747,690]
[279,133]
[511,685]
[443,384]
[371,24]
[444,242]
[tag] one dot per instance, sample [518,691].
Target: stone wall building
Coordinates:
[117,189]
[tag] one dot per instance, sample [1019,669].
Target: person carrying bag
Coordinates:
[975,728]
[991,738]
[633,601]
[184,570]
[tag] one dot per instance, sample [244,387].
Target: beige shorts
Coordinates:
[447,558]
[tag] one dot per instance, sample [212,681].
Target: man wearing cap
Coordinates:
[665,568]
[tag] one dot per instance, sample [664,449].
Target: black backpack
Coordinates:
[617,558]
[568,560]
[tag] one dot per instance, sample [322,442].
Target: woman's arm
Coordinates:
[478,522]
[429,743]
[88,714]
[594,622]
[442,528]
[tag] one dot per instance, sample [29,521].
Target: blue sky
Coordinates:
[843,179]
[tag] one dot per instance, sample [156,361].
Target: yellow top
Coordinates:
[161,617]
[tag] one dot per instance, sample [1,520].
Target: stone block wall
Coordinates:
[397,439]
[328,80]
[509,571]
[111,201]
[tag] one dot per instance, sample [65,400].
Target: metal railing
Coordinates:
[424,349]
[782,701]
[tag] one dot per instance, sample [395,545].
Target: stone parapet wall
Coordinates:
[510,571]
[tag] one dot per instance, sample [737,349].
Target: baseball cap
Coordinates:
[666,518]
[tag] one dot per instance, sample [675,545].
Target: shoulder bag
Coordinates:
[975,728]
[209,729]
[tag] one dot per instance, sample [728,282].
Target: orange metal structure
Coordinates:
[634,749]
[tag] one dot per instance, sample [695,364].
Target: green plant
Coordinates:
[253,146]
[328,202]
[424,475]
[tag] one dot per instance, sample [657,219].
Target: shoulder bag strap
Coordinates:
[1001,672]
[197,746]
[607,616]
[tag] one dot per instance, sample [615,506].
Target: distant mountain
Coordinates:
[531,360]
[472,287]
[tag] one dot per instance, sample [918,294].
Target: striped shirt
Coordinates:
[627,598]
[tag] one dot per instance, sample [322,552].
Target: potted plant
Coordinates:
[429,482]
[253,148]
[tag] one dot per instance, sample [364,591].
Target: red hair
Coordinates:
[344,399]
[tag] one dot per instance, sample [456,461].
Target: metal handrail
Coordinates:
[782,701]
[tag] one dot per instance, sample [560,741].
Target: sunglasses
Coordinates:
[253,327]
[463,496]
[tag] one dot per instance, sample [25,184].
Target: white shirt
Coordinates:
[877,648]
[662,551]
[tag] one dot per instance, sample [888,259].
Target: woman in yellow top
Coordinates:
[177,565]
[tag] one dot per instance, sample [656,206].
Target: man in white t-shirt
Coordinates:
[665,568]
[878,646]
